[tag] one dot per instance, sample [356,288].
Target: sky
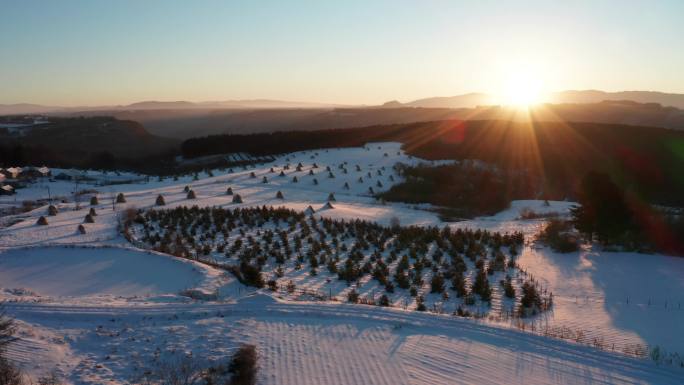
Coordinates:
[93,52]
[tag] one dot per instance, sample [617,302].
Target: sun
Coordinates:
[522,89]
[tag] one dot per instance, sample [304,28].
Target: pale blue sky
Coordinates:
[95,52]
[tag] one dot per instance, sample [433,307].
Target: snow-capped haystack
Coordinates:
[379,173]
[360,180]
[331,175]
[386,155]
[237,198]
[120,198]
[252,175]
[300,165]
[229,191]
[94,201]
[42,221]
[299,168]
[379,184]
[160,200]
[264,180]
[286,167]
[315,181]
[186,189]
[294,179]
[331,197]
[391,178]
[314,165]
[346,186]
[309,210]
[279,195]
[370,190]
[81,229]
[282,173]
[327,206]
[271,170]
[191,195]
[92,212]
[327,168]
[88,219]
[369,174]
[358,168]
[344,171]
[52,210]
[311,172]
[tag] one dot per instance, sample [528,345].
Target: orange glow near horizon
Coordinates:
[522,89]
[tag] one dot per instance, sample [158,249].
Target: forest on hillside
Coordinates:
[646,160]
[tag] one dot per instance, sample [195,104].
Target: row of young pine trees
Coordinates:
[348,249]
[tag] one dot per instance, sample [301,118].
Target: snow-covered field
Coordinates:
[99,314]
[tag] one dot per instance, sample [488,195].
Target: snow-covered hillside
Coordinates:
[99,309]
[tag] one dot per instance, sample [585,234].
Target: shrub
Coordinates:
[244,366]
[353,296]
[420,304]
[94,201]
[251,275]
[9,374]
[557,235]
[384,300]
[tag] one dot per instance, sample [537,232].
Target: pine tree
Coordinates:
[437,283]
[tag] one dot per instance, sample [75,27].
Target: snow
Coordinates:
[71,272]
[310,343]
[77,306]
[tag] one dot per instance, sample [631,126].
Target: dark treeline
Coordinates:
[24,155]
[610,215]
[647,160]
[462,190]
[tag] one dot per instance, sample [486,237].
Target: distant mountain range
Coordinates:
[470,100]
[587,96]
[28,109]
